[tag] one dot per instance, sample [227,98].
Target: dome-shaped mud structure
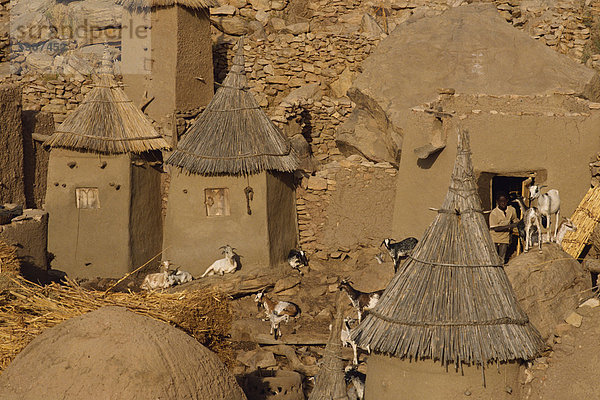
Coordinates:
[112,353]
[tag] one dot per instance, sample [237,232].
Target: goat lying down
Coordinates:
[227,265]
[176,276]
[159,280]
[277,311]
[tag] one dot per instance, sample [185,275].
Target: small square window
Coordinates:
[87,198]
[216,201]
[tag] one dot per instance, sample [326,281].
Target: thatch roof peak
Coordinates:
[107,122]
[451,300]
[140,5]
[234,136]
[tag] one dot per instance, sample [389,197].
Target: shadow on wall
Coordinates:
[37,126]
[426,163]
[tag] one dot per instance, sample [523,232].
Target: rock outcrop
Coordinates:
[549,286]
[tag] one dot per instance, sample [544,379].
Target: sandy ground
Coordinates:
[572,369]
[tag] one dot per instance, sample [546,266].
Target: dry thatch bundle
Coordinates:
[26,310]
[329,382]
[107,122]
[585,218]
[233,135]
[451,300]
[9,262]
[143,4]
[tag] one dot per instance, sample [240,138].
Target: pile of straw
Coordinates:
[451,299]
[585,218]
[9,262]
[233,135]
[26,310]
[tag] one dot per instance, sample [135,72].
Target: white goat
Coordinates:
[547,205]
[159,280]
[530,217]
[565,226]
[347,339]
[224,265]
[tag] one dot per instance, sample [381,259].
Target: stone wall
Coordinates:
[4,30]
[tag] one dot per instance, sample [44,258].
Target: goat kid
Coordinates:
[277,311]
[355,383]
[361,301]
[346,337]
[177,276]
[296,259]
[566,226]
[225,265]
[159,280]
[531,219]
[547,205]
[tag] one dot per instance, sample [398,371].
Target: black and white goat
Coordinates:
[355,383]
[399,250]
[226,265]
[277,311]
[360,300]
[346,337]
[296,259]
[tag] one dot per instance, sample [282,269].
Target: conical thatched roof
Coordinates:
[233,135]
[143,4]
[107,122]
[451,299]
[329,382]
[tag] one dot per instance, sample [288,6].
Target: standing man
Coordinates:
[503,219]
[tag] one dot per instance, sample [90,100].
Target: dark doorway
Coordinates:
[511,186]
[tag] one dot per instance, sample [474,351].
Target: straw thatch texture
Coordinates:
[451,300]
[329,382]
[9,261]
[26,310]
[585,218]
[143,4]
[233,135]
[107,122]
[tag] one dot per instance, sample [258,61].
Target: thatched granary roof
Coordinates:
[234,136]
[451,299]
[143,4]
[107,122]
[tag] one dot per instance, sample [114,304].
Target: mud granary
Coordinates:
[103,195]
[231,183]
[167,57]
